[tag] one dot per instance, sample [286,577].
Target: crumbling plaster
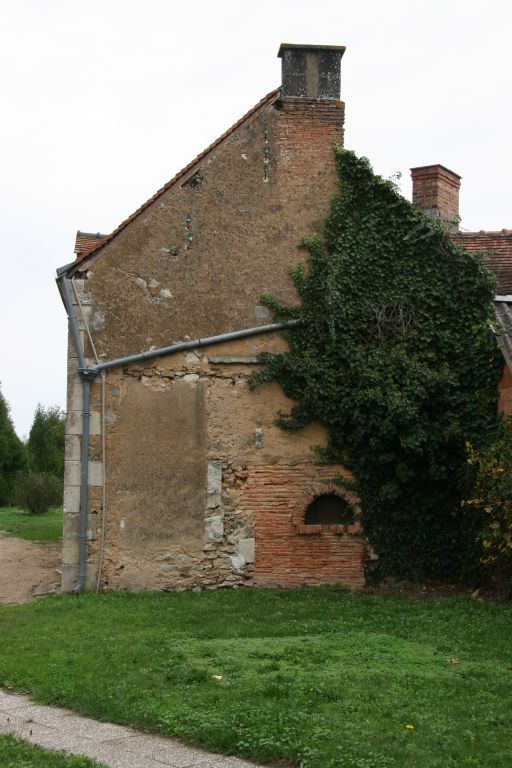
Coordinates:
[181,436]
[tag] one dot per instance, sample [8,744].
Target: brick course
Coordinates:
[285,555]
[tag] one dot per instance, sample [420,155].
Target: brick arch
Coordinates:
[313,492]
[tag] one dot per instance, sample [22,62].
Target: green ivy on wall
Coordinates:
[395,356]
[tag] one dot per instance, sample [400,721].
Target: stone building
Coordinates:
[176,476]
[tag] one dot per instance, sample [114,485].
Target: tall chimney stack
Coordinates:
[311,72]
[435,189]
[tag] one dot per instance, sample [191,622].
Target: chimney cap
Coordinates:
[293,46]
[310,72]
[435,167]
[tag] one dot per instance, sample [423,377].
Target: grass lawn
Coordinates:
[19,522]
[18,754]
[313,677]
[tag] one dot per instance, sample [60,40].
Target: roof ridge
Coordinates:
[483,232]
[108,238]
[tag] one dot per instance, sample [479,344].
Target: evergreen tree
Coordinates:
[12,454]
[46,441]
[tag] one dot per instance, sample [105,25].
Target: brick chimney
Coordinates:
[435,189]
[311,71]
[309,118]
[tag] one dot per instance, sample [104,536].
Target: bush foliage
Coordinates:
[38,492]
[492,498]
[395,356]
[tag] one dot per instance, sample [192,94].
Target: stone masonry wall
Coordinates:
[182,512]
[183,434]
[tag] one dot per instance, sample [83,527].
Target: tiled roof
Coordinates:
[104,239]
[86,242]
[498,247]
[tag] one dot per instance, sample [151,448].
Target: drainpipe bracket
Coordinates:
[88,374]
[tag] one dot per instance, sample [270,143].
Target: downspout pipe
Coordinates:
[84,485]
[87,376]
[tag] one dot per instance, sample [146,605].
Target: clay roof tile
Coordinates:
[498,249]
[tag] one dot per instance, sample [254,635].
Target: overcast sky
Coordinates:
[104,101]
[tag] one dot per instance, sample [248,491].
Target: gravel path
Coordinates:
[28,569]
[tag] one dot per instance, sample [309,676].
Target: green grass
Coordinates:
[18,754]
[315,677]
[19,522]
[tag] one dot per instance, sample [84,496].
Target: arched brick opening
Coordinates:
[329,509]
[349,511]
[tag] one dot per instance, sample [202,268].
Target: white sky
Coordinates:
[102,101]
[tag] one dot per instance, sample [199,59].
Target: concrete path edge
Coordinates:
[112,745]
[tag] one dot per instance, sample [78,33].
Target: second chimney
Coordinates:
[435,189]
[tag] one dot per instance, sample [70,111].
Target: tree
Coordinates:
[46,441]
[394,355]
[12,454]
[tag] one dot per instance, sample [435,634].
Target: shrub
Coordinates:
[493,500]
[38,493]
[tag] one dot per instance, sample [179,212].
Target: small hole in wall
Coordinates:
[329,509]
[195,181]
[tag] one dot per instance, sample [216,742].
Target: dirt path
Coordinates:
[28,569]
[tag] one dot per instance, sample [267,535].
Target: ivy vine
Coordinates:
[394,355]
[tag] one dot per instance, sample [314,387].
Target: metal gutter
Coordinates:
[68,303]
[194,344]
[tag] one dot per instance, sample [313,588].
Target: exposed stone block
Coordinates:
[74,394]
[72,472]
[214,484]
[69,577]
[214,528]
[73,447]
[71,524]
[96,473]
[71,501]
[74,423]
[70,549]
[247,549]
[233,359]
[238,562]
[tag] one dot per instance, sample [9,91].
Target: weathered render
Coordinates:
[190,484]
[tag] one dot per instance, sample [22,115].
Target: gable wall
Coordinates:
[184,434]
[152,286]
